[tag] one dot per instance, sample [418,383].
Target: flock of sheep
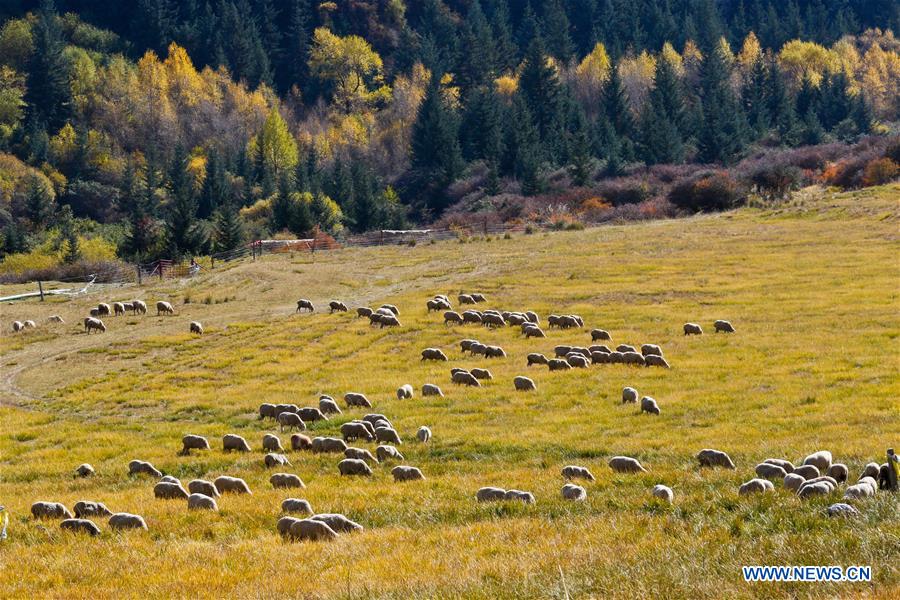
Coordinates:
[94,323]
[817,475]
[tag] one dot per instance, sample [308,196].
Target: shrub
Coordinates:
[708,191]
[775,181]
[880,171]
[625,191]
[892,151]
[845,174]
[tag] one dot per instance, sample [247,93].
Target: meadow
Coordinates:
[811,286]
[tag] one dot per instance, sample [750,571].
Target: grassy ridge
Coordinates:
[811,287]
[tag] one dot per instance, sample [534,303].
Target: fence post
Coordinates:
[382,238]
[212,262]
[137,268]
[484,225]
[41,290]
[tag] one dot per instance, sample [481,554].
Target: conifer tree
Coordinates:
[48,92]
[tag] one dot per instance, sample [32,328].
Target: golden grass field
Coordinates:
[811,286]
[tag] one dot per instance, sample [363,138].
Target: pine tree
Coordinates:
[723,129]
[754,94]
[294,70]
[183,233]
[48,93]
[141,236]
[478,64]
[505,47]
[614,104]
[228,231]
[436,155]
[215,187]
[556,30]
[541,90]
[835,101]
[68,235]
[779,104]
[38,203]
[281,205]
[482,126]
[582,165]
[660,140]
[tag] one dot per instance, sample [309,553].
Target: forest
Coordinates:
[152,129]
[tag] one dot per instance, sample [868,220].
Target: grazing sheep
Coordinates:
[653,360]
[819,488]
[291,421]
[139,306]
[296,505]
[122,521]
[494,352]
[387,434]
[202,502]
[756,486]
[201,486]
[517,319]
[424,434]
[275,460]
[328,406]
[692,329]
[821,460]
[354,466]
[286,480]
[385,453]
[633,358]
[626,464]
[104,309]
[356,399]
[829,481]
[429,389]
[328,444]
[576,472]
[338,522]
[140,467]
[599,348]
[840,509]
[651,349]
[29,324]
[616,358]
[477,348]
[355,430]
[577,360]
[373,419]
[389,321]
[865,488]
[166,490]
[561,351]
[337,306]
[170,479]
[128,306]
[714,458]
[267,411]
[55,319]
[19,326]
[465,299]
[80,526]
[433,354]
[600,358]
[466,345]
[83,470]
[310,413]
[284,524]
[871,470]
[193,442]
[533,331]
[233,485]
[481,374]
[625,348]
[490,494]
[271,443]
[118,308]
[93,324]
[465,378]
[787,465]
[405,391]
[196,327]
[231,441]
[526,497]
[300,442]
[599,334]
[524,384]
[723,326]
[435,305]
[164,308]
[573,492]
[663,492]
[311,530]
[649,405]
[360,454]
[50,510]
[839,472]
[451,316]
[792,481]
[363,311]
[406,473]
[492,320]
[471,316]
[304,304]
[536,358]
[94,312]
[807,471]
[558,364]
[629,395]
[770,471]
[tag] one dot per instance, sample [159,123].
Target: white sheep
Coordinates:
[291,421]
[140,467]
[385,452]
[792,481]
[328,406]
[286,480]
[201,486]
[524,384]
[202,502]
[271,443]
[576,472]
[234,485]
[231,441]
[311,530]
[629,395]
[714,458]
[338,522]
[756,486]
[196,327]
[360,454]
[80,526]
[272,460]
[692,329]
[663,493]
[87,508]
[296,505]
[122,521]
[649,405]
[821,460]
[354,466]
[723,326]
[94,324]
[163,307]
[490,494]
[50,510]
[405,391]
[429,389]
[570,491]
[166,490]
[406,473]
[626,464]
[193,442]
[84,470]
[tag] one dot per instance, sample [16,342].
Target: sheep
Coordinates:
[193,442]
[723,326]
[310,413]
[267,411]
[275,460]
[140,467]
[164,308]
[654,360]
[492,320]
[170,479]
[311,530]
[291,421]
[516,319]
[465,378]
[128,306]
[558,364]
[526,497]
[533,331]
[663,492]
[536,358]
[820,488]
[139,306]
[599,334]
[465,299]
[570,321]
[104,309]
[807,471]
[429,389]
[756,486]
[770,471]
[328,406]
[787,465]
[50,510]
[524,384]
[649,405]
[94,312]
[389,321]
[83,470]
[374,418]
[478,348]
[471,316]
[481,374]
[494,352]
[573,492]
[55,319]
[840,509]
[648,349]
[452,316]
[692,329]
[284,524]
[328,444]
[202,502]
[300,442]
[838,471]
[166,490]
[337,306]
[629,395]
[304,304]
[423,434]
[283,408]
[231,441]
[633,358]
[714,458]
[553,320]
[363,311]
[792,481]
[93,324]
[600,358]
[387,434]
[821,460]
[871,470]
[435,305]
[861,490]
[118,308]
[233,485]
[360,454]
[490,494]
[286,480]
[122,521]
[576,472]
[19,326]
[196,327]
[338,522]
[626,464]
[405,391]
[616,358]
[356,399]
[296,505]
[271,443]
[201,486]
[80,526]
[561,351]
[354,466]
[406,473]
[29,324]
[625,348]
[433,354]
[385,453]
[354,430]
[466,345]
[824,479]
[577,360]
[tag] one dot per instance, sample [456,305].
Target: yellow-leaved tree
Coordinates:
[350,66]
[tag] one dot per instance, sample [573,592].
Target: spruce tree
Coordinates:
[723,129]
[541,90]
[48,93]
[38,204]
[504,46]
[228,231]
[281,204]
[183,232]
[779,104]
[436,156]
[754,95]
[215,187]
[478,64]
[556,31]
[481,134]
[614,104]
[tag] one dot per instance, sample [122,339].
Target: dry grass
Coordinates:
[812,288]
